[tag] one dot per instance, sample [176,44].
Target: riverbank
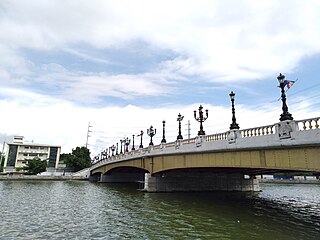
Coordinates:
[36,177]
[290,181]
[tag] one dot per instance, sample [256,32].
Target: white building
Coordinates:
[19,153]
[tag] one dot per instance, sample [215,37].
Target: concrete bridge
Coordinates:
[226,161]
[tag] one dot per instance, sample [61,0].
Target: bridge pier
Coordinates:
[199,182]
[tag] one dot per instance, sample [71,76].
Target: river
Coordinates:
[84,210]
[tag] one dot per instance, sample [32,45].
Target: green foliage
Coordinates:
[35,166]
[78,159]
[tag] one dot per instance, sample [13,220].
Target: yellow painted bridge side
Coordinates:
[292,159]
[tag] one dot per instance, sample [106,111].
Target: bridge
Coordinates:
[227,161]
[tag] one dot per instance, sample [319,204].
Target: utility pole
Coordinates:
[88,134]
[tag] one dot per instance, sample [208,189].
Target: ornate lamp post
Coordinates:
[285,114]
[179,119]
[201,119]
[151,132]
[127,142]
[163,132]
[140,135]
[121,142]
[234,124]
[133,148]
[113,147]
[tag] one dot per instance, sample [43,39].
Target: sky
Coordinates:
[120,66]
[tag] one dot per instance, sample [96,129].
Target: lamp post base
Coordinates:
[285,116]
[201,132]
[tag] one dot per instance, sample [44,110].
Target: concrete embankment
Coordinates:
[32,177]
[289,181]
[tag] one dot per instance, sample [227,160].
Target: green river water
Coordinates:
[84,210]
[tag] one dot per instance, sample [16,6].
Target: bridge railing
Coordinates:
[258,131]
[309,123]
[304,124]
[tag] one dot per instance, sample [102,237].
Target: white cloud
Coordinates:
[52,121]
[226,41]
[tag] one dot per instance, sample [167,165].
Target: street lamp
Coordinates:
[133,148]
[121,142]
[234,124]
[201,119]
[117,149]
[140,135]
[179,119]
[285,114]
[113,147]
[163,132]
[127,142]
[151,132]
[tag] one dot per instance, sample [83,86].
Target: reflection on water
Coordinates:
[83,210]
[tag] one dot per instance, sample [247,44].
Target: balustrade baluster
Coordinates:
[317,125]
[304,125]
[310,124]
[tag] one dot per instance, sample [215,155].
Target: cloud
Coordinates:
[49,120]
[249,41]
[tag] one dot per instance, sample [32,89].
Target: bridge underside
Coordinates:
[209,171]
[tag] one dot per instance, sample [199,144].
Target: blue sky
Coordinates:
[124,65]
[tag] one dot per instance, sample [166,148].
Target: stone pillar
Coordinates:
[284,128]
[200,181]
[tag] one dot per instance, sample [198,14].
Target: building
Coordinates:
[19,153]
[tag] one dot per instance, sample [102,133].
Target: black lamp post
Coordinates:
[201,119]
[151,132]
[179,119]
[133,148]
[113,147]
[141,135]
[121,142]
[117,149]
[163,132]
[234,124]
[285,114]
[127,142]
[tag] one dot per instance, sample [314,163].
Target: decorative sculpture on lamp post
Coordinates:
[163,132]
[140,135]
[201,119]
[285,114]
[133,148]
[234,124]
[179,119]
[151,132]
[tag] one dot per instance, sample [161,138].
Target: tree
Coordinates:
[78,159]
[35,166]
